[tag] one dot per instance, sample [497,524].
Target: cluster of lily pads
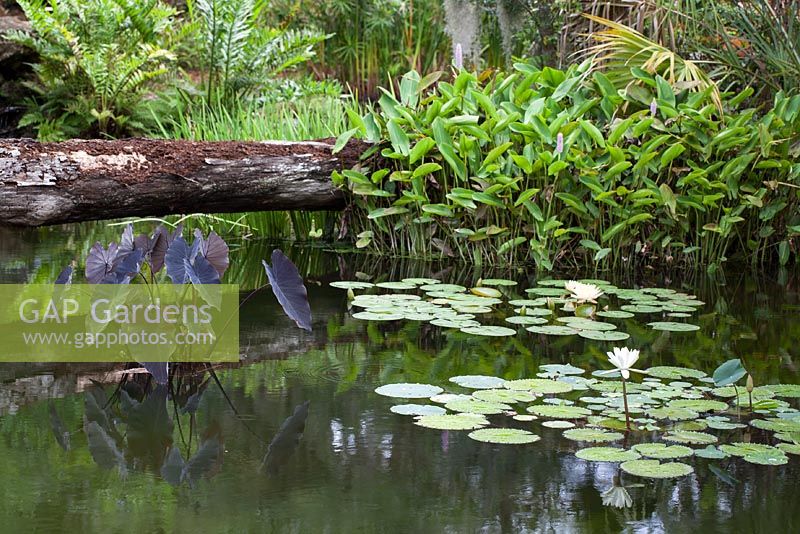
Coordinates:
[554,307]
[677,413]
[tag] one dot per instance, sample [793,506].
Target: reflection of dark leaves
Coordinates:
[150,427]
[134,389]
[724,476]
[172,468]
[286,440]
[93,403]
[286,283]
[103,448]
[204,460]
[59,430]
[193,402]
[65,276]
[126,403]
[159,370]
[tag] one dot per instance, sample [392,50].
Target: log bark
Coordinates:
[79,180]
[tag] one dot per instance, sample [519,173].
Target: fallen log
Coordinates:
[80,180]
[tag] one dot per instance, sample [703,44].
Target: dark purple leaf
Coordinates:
[177,253]
[289,289]
[158,248]
[159,370]
[126,245]
[100,262]
[214,249]
[65,277]
[202,272]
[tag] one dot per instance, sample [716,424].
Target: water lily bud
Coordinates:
[523,310]
[749,383]
[350,294]
[479,283]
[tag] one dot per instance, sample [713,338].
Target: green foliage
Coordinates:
[239,55]
[98,59]
[543,164]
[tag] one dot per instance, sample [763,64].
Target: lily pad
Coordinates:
[615,314]
[348,284]
[607,454]
[477,406]
[461,421]
[421,281]
[689,436]
[397,286]
[789,448]
[541,386]
[777,425]
[526,319]
[417,409]
[558,423]
[559,412]
[504,395]
[596,335]
[498,282]
[742,449]
[444,398]
[478,381]
[674,373]
[699,405]
[505,436]
[562,369]
[374,316]
[552,330]
[710,453]
[655,469]
[482,291]
[670,326]
[784,390]
[661,451]
[491,331]
[595,435]
[640,308]
[673,413]
[546,291]
[408,391]
[776,457]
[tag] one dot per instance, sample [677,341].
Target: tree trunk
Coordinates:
[80,180]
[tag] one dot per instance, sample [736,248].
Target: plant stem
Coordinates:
[625,401]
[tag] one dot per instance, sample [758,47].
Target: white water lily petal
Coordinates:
[583,292]
[623,358]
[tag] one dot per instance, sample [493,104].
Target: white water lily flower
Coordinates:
[618,497]
[584,292]
[623,359]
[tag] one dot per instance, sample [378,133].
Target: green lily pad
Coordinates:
[699,405]
[784,390]
[524,417]
[720,423]
[488,292]
[615,386]
[461,421]
[444,398]
[679,315]
[776,425]
[546,291]
[450,323]
[540,386]
[674,373]
[477,406]
[562,369]
[607,454]
[348,284]
[552,330]
[443,288]
[655,469]
[640,308]
[596,335]
[478,381]
[526,319]
[417,409]
[528,303]
[421,281]
[689,436]
[408,391]
[398,286]
[375,316]
[558,423]
[742,449]
[505,436]
[616,314]
[491,331]
[670,326]
[581,323]
[710,453]
[594,435]
[498,282]
[673,413]
[504,395]
[776,457]
[559,412]
[661,451]
[551,283]
[789,448]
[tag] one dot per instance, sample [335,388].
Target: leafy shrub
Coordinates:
[241,57]
[548,165]
[97,61]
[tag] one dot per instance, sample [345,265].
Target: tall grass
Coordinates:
[313,118]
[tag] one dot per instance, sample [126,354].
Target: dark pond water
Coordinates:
[358,467]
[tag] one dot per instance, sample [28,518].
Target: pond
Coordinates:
[302,443]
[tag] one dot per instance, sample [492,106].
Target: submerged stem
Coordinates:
[625,403]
